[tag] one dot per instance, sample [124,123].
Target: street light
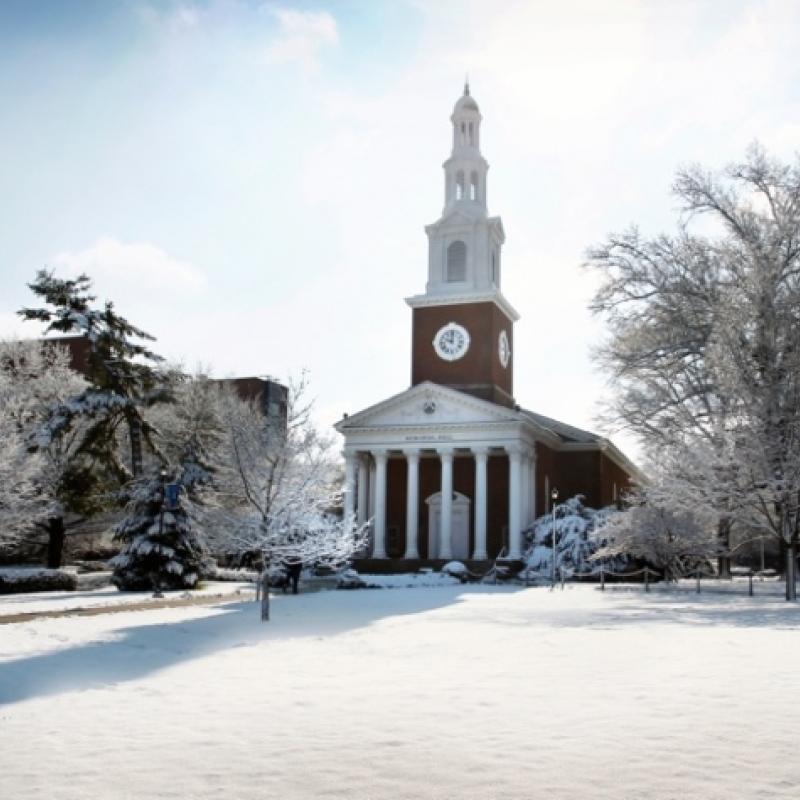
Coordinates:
[553,498]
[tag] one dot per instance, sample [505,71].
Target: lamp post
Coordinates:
[553,498]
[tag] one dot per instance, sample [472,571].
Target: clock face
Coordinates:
[451,342]
[504,349]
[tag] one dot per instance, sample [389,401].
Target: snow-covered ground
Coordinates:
[107,596]
[452,692]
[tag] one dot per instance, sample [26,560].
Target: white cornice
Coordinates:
[493,411]
[498,417]
[492,296]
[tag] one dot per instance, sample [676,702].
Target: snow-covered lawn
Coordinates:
[452,692]
[107,596]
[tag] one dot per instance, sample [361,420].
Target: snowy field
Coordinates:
[107,597]
[447,692]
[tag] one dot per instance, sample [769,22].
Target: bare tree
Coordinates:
[21,503]
[279,489]
[52,481]
[705,340]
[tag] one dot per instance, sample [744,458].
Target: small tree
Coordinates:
[21,503]
[160,549]
[671,538]
[53,482]
[579,534]
[280,488]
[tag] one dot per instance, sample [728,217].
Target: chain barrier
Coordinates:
[698,574]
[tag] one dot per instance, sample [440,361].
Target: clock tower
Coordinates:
[462,330]
[452,467]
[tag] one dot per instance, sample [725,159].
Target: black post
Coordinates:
[265,593]
[55,542]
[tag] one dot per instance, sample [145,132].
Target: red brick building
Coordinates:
[269,395]
[453,467]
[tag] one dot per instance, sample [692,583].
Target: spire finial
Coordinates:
[466,85]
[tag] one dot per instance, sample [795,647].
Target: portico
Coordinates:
[430,459]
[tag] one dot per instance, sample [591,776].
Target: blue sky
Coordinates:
[249,181]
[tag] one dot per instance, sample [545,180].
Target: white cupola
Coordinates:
[465,170]
[464,245]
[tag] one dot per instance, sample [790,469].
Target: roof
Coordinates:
[465,103]
[568,433]
[557,435]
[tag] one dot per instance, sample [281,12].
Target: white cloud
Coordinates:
[182,17]
[301,36]
[125,269]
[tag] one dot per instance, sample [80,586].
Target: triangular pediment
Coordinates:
[428,404]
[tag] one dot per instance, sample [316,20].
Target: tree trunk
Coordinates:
[55,542]
[724,539]
[135,428]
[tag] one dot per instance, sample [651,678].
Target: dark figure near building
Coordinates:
[294,567]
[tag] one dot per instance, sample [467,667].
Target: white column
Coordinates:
[412,504]
[533,485]
[446,522]
[514,476]
[481,456]
[371,490]
[349,485]
[361,504]
[526,494]
[379,545]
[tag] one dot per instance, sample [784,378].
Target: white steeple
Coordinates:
[465,170]
[464,246]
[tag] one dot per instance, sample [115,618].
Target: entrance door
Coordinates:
[459,526]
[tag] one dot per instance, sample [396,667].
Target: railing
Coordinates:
[698,575]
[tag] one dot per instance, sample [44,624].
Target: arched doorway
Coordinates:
[459,525]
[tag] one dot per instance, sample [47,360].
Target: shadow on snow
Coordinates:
[135,652]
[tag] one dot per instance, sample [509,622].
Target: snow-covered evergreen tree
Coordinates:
[121,381]
[159,547]
[580,533]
